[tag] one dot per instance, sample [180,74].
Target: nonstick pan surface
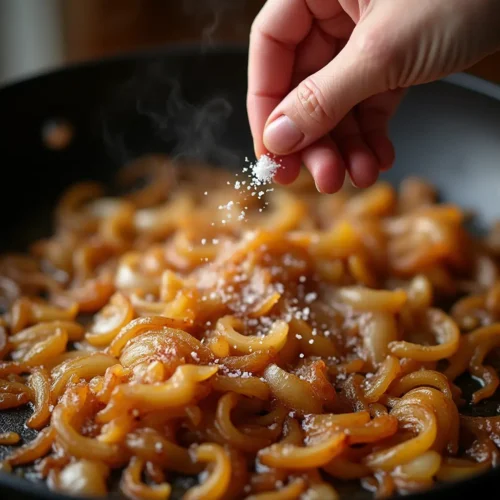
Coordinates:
[192,105]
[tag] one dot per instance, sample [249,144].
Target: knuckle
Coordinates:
[376,46]
[311,103]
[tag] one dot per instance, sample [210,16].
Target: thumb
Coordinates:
[318,103]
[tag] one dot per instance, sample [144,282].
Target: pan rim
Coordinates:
[460,79]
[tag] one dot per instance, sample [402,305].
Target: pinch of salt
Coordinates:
[264,169]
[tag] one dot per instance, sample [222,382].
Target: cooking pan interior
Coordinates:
[192,105]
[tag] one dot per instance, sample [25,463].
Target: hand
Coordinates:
[325,76]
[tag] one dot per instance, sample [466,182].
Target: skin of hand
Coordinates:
[325,76]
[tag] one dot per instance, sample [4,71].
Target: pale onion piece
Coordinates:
[275,339]
[47,349]
[382,485]
[43,330]
[429,378]
[376,201]
[217,482]
[116,230]
[179,310]
[321,491]
[292,432]
[293,392]
[84,477]
[377,331]
[249,386]
[487,374]
[164,343]
[289,456]
[361,271]
[159,221]
[310,343]
[9,438]
[367,299]
[129,277]
[134,488]
[253,363]
[459,362]
[110,320]
[40,386]
[456,469]
[75,443]
[420,293]
[447,335]
[343,468]
[232,435]
[320,424]
[472,351]
[105,207]
[291,491]
[263,307]
[85,367]
[287,211]
[47,312]
[151,446]
[137,327]
[65,356]
[379,428]
[179,390]
[420,468]
[446,412]
[386,374]
[35,449]
[421,418]
[219,346]
[117,429]
[338,242]
[170,285]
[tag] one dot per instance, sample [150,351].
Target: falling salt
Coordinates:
[264,169]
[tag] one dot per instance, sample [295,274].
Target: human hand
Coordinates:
[325,76]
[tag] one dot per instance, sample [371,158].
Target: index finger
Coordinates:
[280,26]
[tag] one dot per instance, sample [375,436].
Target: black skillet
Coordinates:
[189,104]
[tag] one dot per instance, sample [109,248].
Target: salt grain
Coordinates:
[263,170]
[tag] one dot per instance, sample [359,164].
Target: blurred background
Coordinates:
[37,35]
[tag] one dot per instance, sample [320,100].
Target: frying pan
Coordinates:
[192,105]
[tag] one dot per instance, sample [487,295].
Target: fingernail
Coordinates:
[318,188]
[282,135]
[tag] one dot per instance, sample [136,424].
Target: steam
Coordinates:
[212,13]
[152,114]
[195,129]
